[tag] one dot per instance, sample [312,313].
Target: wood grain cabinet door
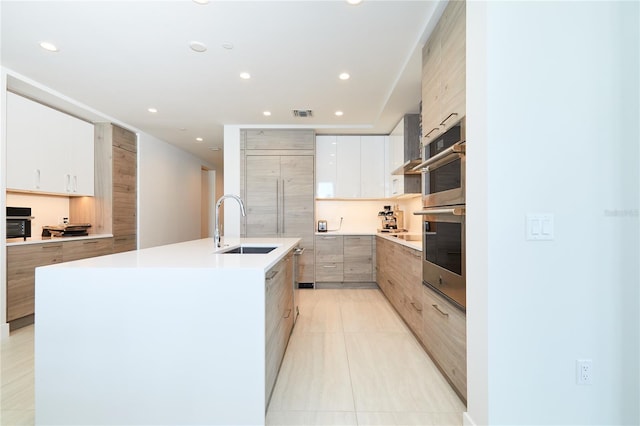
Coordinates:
[21,263]
[358,258]
[262,195]
[83,249]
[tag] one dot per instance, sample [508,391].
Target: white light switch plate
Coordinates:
[540,226]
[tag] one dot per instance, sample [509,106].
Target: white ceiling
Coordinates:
[122,57]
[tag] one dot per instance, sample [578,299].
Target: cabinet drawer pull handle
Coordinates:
[390,282]
[432,130]
[416,308]
[329,266]
[438,309]
[328,238]
[271,275]
[90,242]
[288,314]
[50,246]
[448,117]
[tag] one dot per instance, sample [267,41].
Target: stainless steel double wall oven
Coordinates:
[443,212]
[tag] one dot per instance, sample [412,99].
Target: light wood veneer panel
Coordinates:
[21,263]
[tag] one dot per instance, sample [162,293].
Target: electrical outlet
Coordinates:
[584,371]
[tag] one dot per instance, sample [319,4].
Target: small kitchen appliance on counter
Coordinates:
[322,226]
[66,230]
[19,222]
[392,220]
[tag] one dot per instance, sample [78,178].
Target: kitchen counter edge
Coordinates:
[49,240]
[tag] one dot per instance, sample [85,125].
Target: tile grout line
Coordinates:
[344,337]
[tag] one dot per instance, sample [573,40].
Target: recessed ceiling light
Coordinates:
[46,45]
[339,113]
[354,2]
[227,46]
[197,46]
[153,110]
[183,129]
[266,113]
[199,140]
[344,76]
[201,1]
[214,148]
[245,75]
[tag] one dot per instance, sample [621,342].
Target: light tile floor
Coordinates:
[350,361]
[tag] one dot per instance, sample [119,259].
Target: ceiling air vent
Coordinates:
[302,113]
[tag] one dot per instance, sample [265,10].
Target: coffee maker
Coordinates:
[392,220]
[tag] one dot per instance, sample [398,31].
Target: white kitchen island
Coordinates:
[171,335]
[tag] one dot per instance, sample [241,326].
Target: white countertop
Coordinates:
[44,240]
[200,254]
[416,244]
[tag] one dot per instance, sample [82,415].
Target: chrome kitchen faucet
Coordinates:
[220,200]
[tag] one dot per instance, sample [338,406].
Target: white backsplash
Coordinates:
[361,216]
[47,209]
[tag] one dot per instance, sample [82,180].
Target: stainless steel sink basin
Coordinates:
[250,250]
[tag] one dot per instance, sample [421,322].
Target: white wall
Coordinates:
[231,180]
[553,127]
[169,194]
[4,327]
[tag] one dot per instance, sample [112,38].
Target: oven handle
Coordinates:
[442,158]
[456,211]
[21,217]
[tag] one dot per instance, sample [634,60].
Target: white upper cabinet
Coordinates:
[351,166]
[348,171]
[326,166]
[373,174]
[48,151]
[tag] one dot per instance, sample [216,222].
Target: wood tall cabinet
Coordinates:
[113,209]
[444,73]
[440,327]
[277,187]
[279,318]
[124,190]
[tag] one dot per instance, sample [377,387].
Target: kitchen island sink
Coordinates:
[247,249]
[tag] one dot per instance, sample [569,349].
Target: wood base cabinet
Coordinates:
[440,327]
[21,263]
[345,259]
[445,337]
[279,318]
[23,259]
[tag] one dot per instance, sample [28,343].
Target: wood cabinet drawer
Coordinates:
[82,249]
[329,248]
[329,271]
[21,263]
[360,245]
[123,243]
[445,337]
